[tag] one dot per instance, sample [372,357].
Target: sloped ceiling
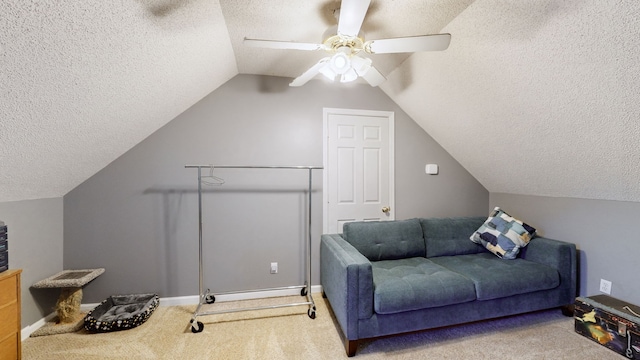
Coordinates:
[535,97]
[532,97]
[81,82]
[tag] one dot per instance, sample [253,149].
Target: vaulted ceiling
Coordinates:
[532,97]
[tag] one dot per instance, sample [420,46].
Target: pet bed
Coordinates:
[121,312]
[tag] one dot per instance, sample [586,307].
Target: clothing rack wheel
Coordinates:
[196,326]
[210,299]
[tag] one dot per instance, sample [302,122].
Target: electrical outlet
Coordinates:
[605,286]
[274,267]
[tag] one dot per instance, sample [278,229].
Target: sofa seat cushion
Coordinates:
[417,283]
[495,278]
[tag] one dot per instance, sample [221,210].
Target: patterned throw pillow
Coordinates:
[503,235]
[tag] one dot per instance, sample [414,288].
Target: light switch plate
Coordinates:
[431,169]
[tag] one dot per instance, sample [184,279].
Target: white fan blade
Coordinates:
[409,44]
[352,14]
[373,77]
[309,74]
[275,44]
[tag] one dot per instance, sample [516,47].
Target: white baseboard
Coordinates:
[183,300]
[29,329]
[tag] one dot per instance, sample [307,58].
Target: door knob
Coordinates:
[386,209]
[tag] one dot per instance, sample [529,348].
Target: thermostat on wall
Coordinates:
[431,169]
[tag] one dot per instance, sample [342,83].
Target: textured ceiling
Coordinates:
[535,97]
[81,82]
[532,97]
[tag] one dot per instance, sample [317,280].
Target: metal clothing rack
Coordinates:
[208,297]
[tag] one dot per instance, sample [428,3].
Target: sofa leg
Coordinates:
[567,310]
[351,346]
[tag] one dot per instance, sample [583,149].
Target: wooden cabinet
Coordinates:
[10,342]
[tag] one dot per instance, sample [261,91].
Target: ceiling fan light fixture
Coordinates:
[340,63]
[328,73]
[349,76]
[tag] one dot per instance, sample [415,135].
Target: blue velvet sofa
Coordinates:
[384,278]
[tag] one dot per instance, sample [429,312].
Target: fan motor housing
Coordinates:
[334,41]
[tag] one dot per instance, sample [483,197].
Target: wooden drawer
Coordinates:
[9,347]
[9,322]
[8,290]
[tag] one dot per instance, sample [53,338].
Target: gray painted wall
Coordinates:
[603,231]
[138,216]
[35,246]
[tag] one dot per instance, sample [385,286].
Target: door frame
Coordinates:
[325,152]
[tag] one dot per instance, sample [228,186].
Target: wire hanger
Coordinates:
[215,181]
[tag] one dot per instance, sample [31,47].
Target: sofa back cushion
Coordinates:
[450,236]
[387,240]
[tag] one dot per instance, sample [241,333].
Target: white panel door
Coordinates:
[358,162]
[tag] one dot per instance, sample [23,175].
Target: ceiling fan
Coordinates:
[345,43]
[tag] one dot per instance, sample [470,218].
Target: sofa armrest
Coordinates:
[559,255]
[347,281]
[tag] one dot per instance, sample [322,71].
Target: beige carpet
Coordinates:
[288,333]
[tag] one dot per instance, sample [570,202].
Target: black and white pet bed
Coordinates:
[121,312]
